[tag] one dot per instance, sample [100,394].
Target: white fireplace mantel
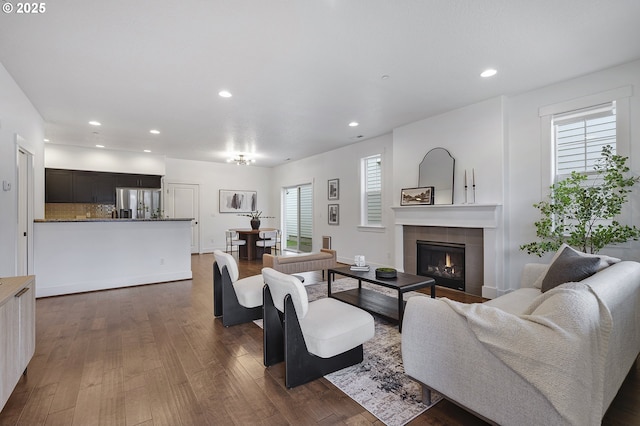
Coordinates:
[485,216]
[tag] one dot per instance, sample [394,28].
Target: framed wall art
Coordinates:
[420,195]
[232,201]
[333,189]
[334,214]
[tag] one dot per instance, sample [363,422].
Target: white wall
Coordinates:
[17,117]
[103,160]
[526,160]
[212,177]
[503,139]
[473,135]
[347,238]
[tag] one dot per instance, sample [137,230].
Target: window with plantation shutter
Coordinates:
[579,137]
[372,190]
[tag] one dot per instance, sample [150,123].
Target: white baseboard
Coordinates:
[81,287]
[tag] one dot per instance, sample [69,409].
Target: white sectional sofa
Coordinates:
[528,357]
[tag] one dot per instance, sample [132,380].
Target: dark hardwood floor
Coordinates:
[155,355]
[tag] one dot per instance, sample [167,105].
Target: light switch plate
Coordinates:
[6,185]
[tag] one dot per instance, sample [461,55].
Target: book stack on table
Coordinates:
[364,268]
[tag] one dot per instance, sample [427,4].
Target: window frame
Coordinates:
[620,95]
[364,193]
[578,127]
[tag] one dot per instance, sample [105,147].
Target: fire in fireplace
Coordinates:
[443,262]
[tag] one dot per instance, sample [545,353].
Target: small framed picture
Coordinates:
[334,214]
[333,189]
[420,195]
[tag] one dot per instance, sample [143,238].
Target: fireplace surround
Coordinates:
[470,238]
[481,228]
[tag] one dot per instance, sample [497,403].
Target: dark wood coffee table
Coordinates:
[390,308]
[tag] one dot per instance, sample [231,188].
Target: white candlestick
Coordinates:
[473,182]
[465,186]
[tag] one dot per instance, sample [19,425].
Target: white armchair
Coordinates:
[312,338]
[236,300]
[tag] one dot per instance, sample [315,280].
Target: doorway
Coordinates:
[298,218]
[183,201]
[24,250]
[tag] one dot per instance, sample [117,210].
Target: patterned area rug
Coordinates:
[379,383]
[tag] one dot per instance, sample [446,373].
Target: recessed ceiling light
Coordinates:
[353,124]
[385,77]
[154,132]
[147,150]
[95,123]
[225,94]
[488,73]
[99,146]
[46,140]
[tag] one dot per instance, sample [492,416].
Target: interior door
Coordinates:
[183,201]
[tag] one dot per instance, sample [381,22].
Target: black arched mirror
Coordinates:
[437,170]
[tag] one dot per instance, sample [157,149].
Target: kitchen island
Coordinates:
[78,255]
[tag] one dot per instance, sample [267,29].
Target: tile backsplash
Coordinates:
[75,210]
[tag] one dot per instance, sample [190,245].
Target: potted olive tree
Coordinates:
[583,213]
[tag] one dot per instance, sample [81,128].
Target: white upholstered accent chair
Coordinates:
[236,300]
[233,240]
[312,338]
[266,242]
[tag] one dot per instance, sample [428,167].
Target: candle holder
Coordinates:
[473,184]
[466,188]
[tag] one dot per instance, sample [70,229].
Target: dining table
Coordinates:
[249,251]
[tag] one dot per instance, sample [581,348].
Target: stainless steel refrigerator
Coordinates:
[138,203]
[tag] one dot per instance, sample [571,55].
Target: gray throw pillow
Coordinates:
[569,267]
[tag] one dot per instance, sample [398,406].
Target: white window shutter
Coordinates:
[580,136]
[372,167]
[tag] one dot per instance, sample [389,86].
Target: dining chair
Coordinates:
[267,241]
[278,247]
[233,240]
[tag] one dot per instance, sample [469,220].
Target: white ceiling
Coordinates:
[299,71]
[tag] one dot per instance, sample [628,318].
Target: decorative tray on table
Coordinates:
[386,273]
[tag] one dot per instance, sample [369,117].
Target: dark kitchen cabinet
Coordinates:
[77,186]
[105,189]
[94,187]
[151,181]
[58,186]
[137,181]
[82,185]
